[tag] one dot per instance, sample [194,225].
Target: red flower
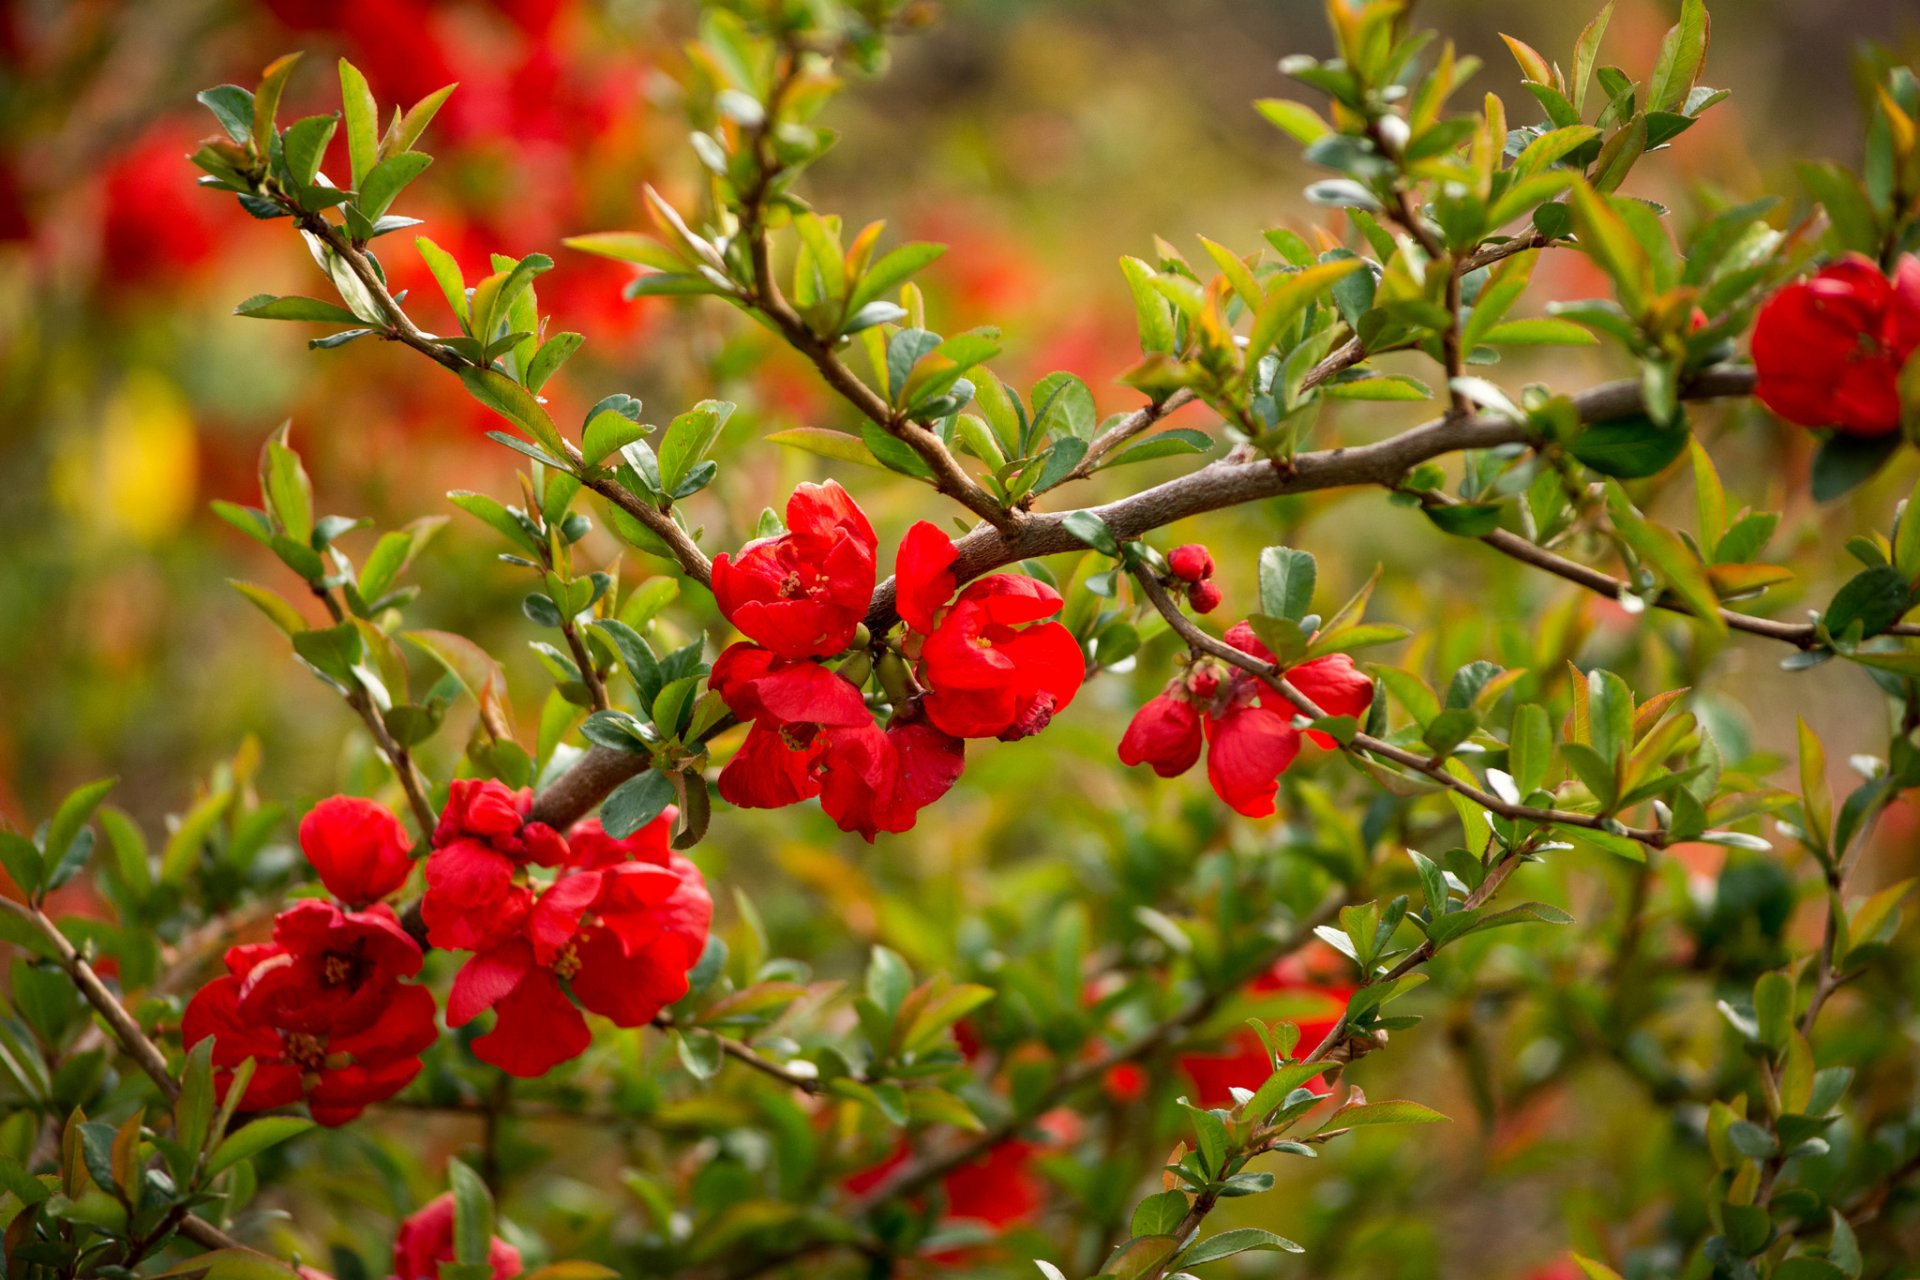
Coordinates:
[995,669]
[326,970]
[321,1010]
[1828,351]
[482,839]
[1246,1065]
[1191,563]
[878,780]
[1248,725]
[359,848]
[1165,733]
[620,935]
[791,703]
[804,592]
[426,1240]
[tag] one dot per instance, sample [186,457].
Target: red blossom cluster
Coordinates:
[325,1009]
[1827,352]
[982,664]
[616,928]
[1246,725]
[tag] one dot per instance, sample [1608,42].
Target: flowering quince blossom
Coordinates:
[322,1009]
[619,928]
[803,593]
[482,839]
[426,1240]
[358,848]
[1246,724]
[994,667]
[1827,352]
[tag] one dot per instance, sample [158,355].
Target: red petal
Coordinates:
[808,693]
[923,578]
[1164,733]
[1011,598]
[1334,685]
[537,1029]
[627,990]
[405,1029]
[819,509]
[1248,749]
[766,773]
[486,980]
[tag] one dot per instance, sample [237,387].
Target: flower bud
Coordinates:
[1204,597]
[895,679]
[856,669]
[1190,563]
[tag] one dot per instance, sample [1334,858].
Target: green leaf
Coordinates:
[1681,55]
[264,306]
[232,106]
[1874,600]
[1139,1256]
[516,404]
[446,274]
[1159,1213]
[388,179]
[1092,530]
[1379,1113]
[472,1215]
[407,128]
[1238,1240]
[1543,332]
[266,99]
[837,445]
[254,1138]
[607,433]
[1845,462]
[1632,447]
[635,803]
[1062,402]
[72,815]
[1286,583]
[363,122]
[1662,550]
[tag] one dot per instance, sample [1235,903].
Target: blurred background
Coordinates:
[1042,139]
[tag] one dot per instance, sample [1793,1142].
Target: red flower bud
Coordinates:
[359,849]
[1191,563]
[1204,597]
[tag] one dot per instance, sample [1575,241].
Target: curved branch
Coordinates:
[1226,483]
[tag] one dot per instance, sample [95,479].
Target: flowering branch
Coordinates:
[1432,768]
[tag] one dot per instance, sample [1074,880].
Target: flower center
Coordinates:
[337,969]
[798,735]
[791,587]
[567,963]
[306,1051]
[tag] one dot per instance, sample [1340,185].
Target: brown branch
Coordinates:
[400,328]
[1221,484]
[127,1033]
